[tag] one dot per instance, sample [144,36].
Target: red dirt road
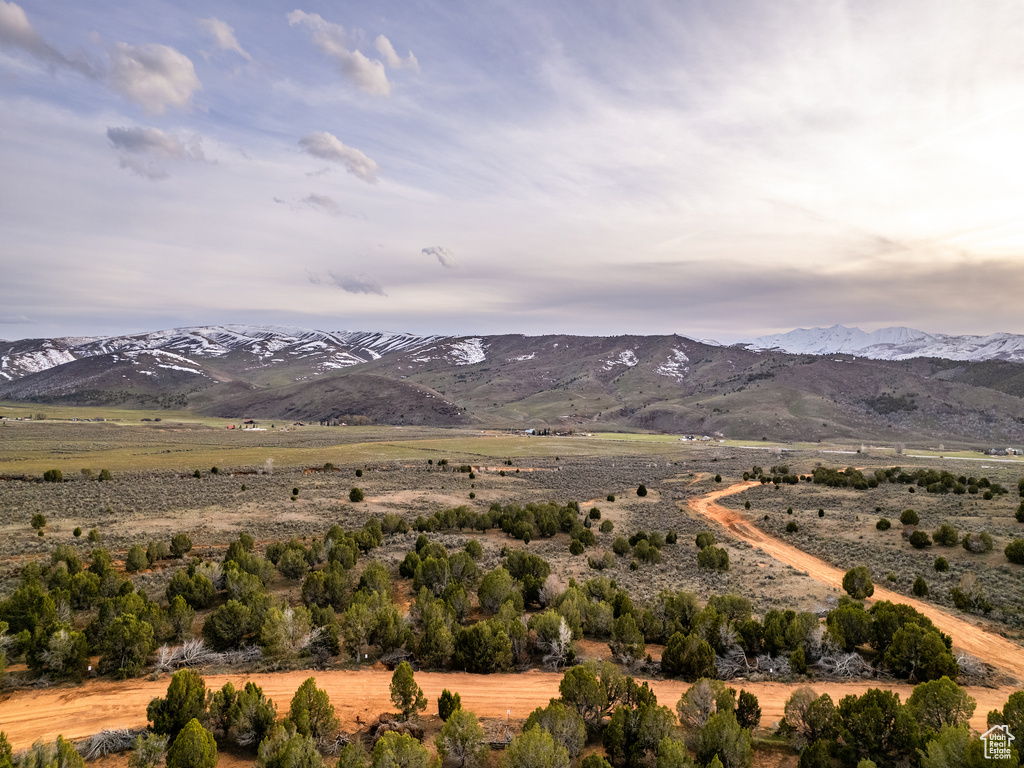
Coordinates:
[976,640]
[76,712]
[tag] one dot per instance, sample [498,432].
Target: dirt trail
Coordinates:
[83,710]
[87,709]
[976,640]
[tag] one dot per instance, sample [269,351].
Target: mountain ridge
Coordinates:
[335,350]
[893,343]
[667,383]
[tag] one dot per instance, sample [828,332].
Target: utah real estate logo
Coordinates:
[997,742]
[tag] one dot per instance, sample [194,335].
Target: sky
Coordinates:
[720,169]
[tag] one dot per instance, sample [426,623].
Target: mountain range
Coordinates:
[835,383]
[897,343]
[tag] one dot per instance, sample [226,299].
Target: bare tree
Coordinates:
[838,664]
[703,699]
[558,646]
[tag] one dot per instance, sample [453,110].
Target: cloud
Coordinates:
[153,76]
[321,201]
[387,50]
[446,257]
[313,277]
[331,39]
[361,283]
[223,35]
[144,150]
[16,31]
[14,320]
[328,147]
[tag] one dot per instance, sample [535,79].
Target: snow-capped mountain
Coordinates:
[20,358]
[897,343]
[664,383]
[231,352]
[257,345]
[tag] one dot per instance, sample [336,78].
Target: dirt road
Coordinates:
[80,711]
[976,640]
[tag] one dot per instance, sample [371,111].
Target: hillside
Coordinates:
[239,350]
[338,399]
[661,383]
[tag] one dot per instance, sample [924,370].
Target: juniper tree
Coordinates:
[405,694]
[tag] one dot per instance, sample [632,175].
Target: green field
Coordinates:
[12,410]
[179,443]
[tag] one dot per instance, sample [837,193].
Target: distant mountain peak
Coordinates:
[893,343]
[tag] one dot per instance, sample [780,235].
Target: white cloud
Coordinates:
[328,147]
[446,257]
[331,39]
[361,283]
[223,35]
[153,76]
[14,320]
[16,31]
[144,150]
[393,60]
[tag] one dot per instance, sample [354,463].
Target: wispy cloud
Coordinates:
[550,155]
[323,202]
[154,76]
[443,255]
[144,150]
[14,320]
[17,32]
[391,58]
[326,146]
[360,283]
[223,36]
[367,74]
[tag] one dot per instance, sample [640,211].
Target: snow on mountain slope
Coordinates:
[262,347]
[627,358]
[376,344]
[267,346]
[897,343]
[20,358]
[456,351]
[467,352]
[676,366]
[162,359]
